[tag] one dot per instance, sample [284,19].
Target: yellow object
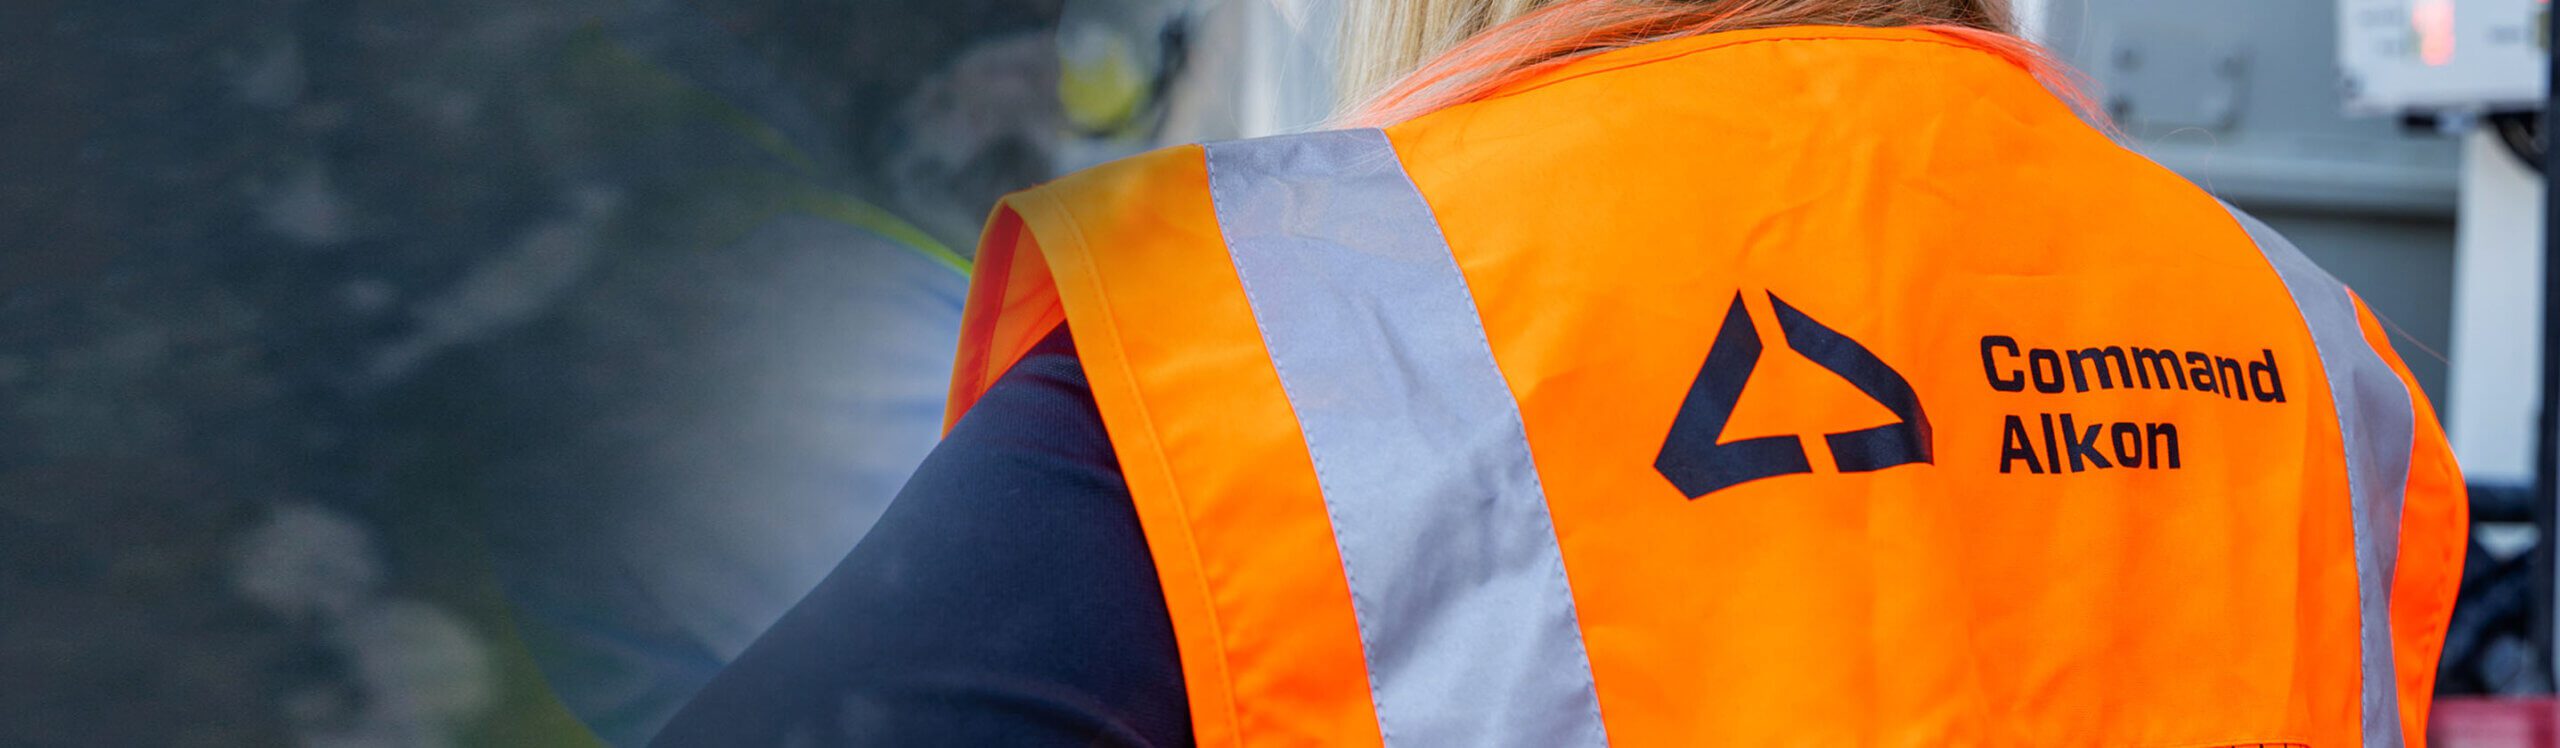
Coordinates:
[1099,83]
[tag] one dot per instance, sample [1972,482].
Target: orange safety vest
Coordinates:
[1807,386]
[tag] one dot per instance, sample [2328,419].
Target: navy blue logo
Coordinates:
[1698,460]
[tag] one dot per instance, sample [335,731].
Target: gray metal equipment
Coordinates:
[2347,124]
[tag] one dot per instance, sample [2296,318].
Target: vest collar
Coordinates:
[1667,49]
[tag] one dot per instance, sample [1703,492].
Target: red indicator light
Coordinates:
[2433,20]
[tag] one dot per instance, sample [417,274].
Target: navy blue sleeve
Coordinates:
[1005,598]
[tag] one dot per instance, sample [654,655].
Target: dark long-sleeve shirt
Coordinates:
[1005,598]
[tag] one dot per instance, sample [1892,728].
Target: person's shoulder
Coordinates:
[1095,203]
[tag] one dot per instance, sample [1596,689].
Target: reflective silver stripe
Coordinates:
[2377,422]
[1465,616]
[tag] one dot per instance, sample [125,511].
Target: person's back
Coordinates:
[1801,386]
[1871,398]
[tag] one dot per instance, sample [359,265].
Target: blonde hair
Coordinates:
[1401,59]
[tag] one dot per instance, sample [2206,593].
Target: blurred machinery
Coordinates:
[2398,142]
[2457,56]
[2481,69]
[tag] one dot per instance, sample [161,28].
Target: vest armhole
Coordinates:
[1012,302]
[1034,271]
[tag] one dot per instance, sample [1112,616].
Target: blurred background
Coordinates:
[488,372]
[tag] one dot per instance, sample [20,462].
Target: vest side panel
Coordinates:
[2377,420]
[2435,533]
[1203,429]
[1928,203]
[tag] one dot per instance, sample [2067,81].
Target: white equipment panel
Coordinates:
[2468,56]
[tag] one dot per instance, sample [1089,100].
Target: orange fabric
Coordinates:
[2433,537]
[1224,488]
[1912,193]
[1012,302]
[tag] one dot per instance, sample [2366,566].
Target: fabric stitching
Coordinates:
[1191,542]
[1000,280]
[2431,635]
[2358,514]
[1519,426]
[1217,198]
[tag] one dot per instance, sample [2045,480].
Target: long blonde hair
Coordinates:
[1401,59]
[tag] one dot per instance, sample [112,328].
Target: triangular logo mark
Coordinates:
[1697,459]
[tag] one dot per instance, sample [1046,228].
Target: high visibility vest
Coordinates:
[1808,386]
